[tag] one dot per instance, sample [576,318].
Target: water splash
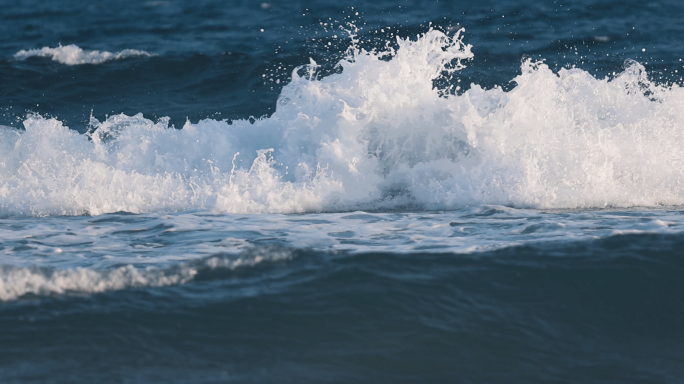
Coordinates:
[377,135]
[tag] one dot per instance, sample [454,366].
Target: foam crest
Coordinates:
[16,281]
[377,135]
[74,55]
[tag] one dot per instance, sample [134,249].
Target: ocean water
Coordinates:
[378,192]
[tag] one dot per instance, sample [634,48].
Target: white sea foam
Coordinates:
[377,135]
[17,281]
[74,55]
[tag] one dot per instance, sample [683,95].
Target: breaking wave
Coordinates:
[16,281]
[74,55]
[376,135]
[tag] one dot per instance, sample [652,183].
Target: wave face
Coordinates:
[377,135]
[74,55]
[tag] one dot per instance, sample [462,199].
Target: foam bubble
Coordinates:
[378,135]
[74,55]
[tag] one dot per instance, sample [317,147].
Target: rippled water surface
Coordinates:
[265,192]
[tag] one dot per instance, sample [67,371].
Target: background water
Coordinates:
[500,205]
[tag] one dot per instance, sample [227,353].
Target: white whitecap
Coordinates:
[75,55]
[18,281]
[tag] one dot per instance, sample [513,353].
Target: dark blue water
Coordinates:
[602,311]
[211,55]
[152,259]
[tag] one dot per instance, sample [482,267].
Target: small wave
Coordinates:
[75,55]
[16,281]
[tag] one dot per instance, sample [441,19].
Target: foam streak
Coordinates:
[74,55]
